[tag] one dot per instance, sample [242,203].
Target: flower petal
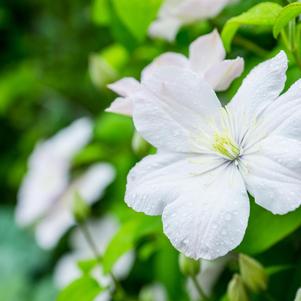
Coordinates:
[66,270]
[283,116]
[91,184]
[194,10]
[121,105]
[166,59]
[210,223]
[206,51]
[48,170]
[173,109]
[53,226]
[221,75]
[157,180]
[125,86]
[261,87]
[273,174]
[165,28]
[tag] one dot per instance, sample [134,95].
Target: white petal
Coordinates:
[66,143]
[40,189]
[53,226]
[102,230]
[206,51]
[125,86]
[174,108]
[273,174]
[221,75]
[194,10]
[283,116]
[261,87]
[165,28]
[104,296]
[66,270]
[158,179]
[123,265]
[209,220]
[166,59]
[121,105]
[48,170]
[91,184]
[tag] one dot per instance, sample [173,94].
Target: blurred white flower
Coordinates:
[45,196]
[175,13]
[209,156]
[102,232]
[206,58]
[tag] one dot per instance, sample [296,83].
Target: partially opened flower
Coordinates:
[210,156]
[206,58]
[46,194]
[175,13]
[102,231]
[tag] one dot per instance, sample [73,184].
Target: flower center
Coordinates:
[224,144]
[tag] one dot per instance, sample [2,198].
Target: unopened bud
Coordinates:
[80,208]
[236,289]
[189,266]
[252,273]
[298,295]
[139,145]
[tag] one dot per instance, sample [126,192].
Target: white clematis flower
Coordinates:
[175,13]
[46,194]
[210,156]
[206,58]
[102,232]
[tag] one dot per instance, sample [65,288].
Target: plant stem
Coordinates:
[87,235]
[201,292]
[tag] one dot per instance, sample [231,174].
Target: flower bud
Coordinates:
[139,145]
[252,273]
[189,266]
[298,295]
[80,209]
[104,67]
[236,289]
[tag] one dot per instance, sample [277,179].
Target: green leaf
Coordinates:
[137,15]
[288,13]
[127,237]
[263,14]
[265,229]
[86,266]
[100,12]
[82,289]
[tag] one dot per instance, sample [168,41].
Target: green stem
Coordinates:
[87,235]
[201,292]
[268,297]
[249,45]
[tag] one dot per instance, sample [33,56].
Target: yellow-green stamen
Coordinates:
[224,144]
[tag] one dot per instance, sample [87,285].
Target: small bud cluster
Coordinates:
[252,278]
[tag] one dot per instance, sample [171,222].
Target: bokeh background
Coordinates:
[56,58]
